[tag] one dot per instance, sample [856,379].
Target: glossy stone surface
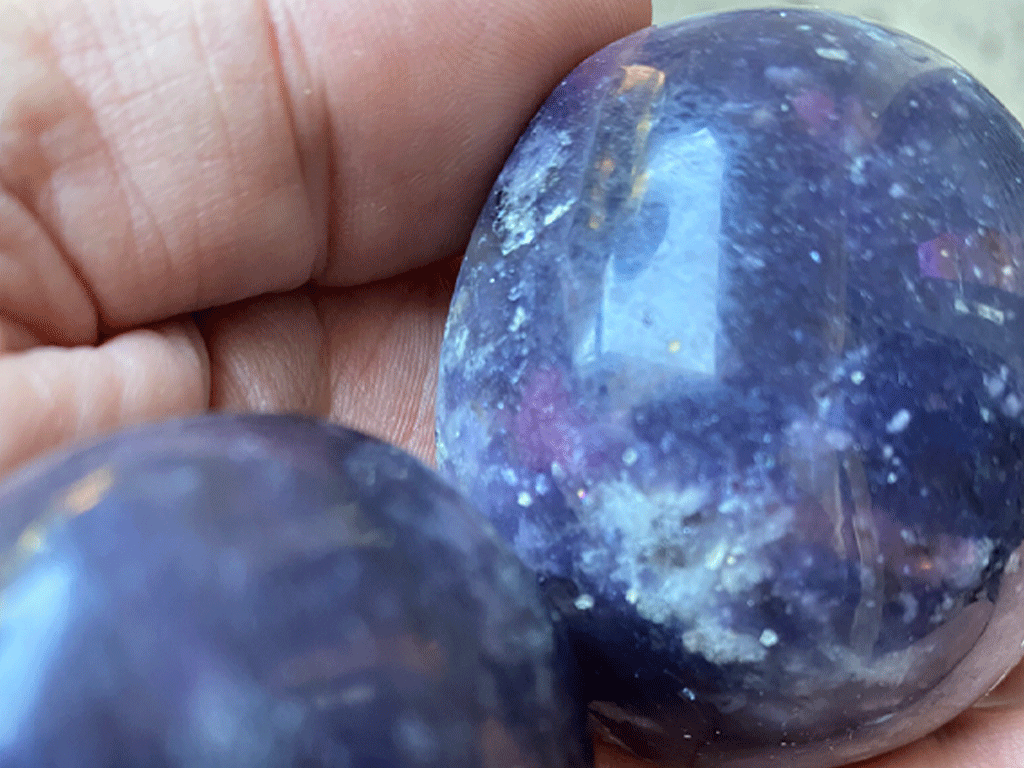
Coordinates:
[735,363]
[267,591]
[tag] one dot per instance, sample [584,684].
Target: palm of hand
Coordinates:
[214,206]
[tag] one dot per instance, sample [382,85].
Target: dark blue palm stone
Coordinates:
[261,592]
[735,362]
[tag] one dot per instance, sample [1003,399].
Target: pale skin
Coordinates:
[217,204]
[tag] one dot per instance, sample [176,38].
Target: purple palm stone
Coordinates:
[267,592]
[735,363]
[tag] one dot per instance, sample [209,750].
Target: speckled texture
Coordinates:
[267,592]
[734,361]
[987,38]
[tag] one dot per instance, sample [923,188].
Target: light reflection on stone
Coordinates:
[765,364]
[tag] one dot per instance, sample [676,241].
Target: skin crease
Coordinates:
[217,204]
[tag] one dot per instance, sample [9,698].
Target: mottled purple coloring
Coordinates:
[735,363]
[262,592]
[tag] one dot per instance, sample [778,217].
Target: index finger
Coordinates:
[157,158]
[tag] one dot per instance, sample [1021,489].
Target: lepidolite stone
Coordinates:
[735,363]
[261,592]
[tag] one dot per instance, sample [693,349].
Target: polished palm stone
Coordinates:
[267,592]
[735,363]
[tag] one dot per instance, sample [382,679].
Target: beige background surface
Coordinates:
[985,36]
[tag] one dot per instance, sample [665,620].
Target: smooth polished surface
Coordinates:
[734,361]
[267,591]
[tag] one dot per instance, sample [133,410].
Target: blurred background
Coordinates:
[985,36]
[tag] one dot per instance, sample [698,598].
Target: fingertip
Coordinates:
[66,395]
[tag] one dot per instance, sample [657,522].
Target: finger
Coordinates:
[160,157]
[268,355]
[364,356]
[976,739]
[384,352]
[1008,694]
[53,396]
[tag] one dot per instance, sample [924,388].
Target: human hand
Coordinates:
[192,192]
[217,205]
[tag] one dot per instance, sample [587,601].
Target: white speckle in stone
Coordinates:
[887,451]
[838,439]
[509,476]
[518,318]
[815,257]
[897,190]
[857,377]
[857,170]
[524,499]
[541,485]
[557,212]
[584,602]
[730,504]
[687,694]
[632,596]
[520,211]
[1012,406]
[629,456]
[899,422]
[716,557]
[992,314]
[891,478]
[910,605]
[960,307]
[769,637]
[721,645]
[459,342]
[995,383]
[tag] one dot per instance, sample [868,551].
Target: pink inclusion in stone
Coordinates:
[735,363]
